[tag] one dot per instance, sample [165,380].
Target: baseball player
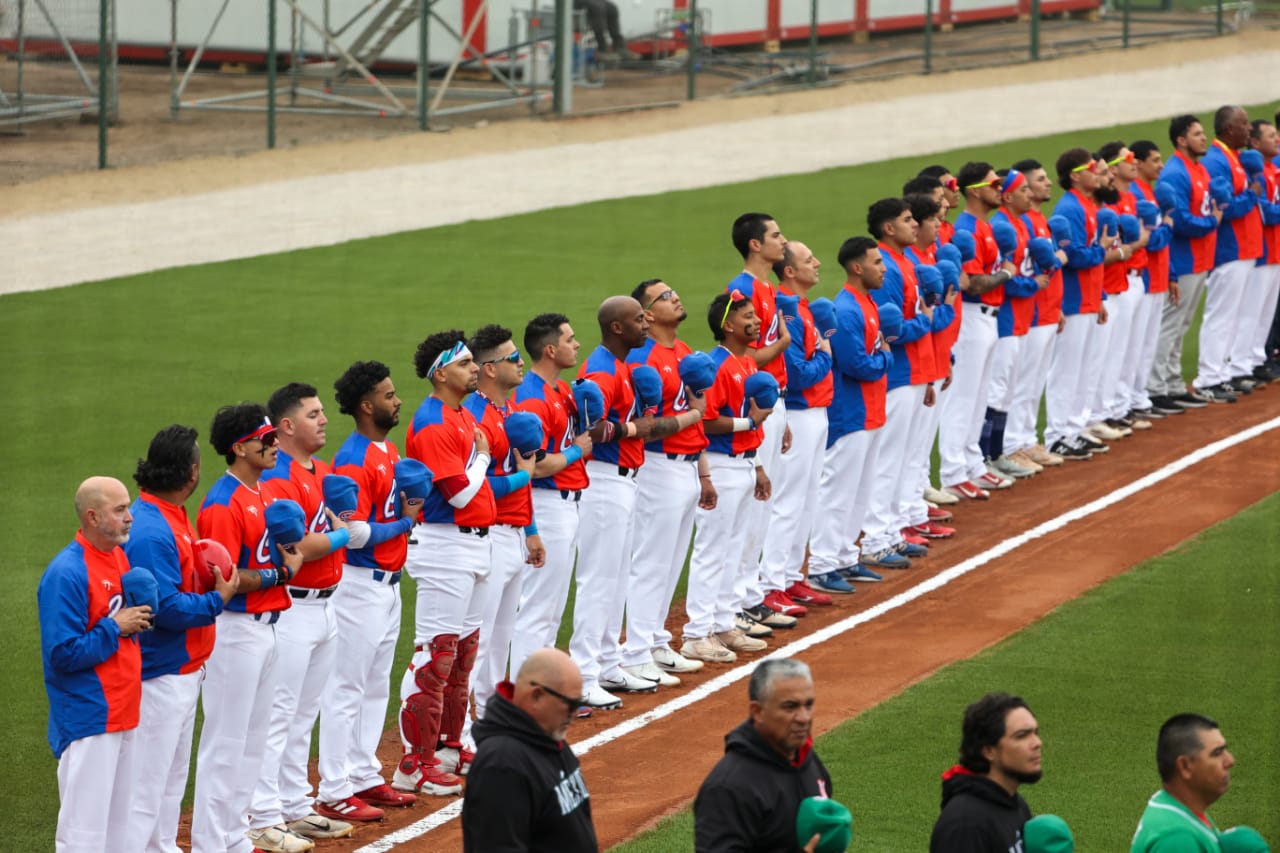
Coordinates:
[559,479]
[514,538]
[759,240]
[963,470]
[604,548]
[798,471]
[173,654]
[1263,287]
[239,681]
[674,482]
[1195,218]
[1021,442]
[307,633]
[366,603]
[450,561]
[1237,251]
[733,423]
[861,360]
[92,671]
[950,197]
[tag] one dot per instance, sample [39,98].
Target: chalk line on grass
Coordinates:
[450,812]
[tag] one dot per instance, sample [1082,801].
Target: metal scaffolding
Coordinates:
[25,102]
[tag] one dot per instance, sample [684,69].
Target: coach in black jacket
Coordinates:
[525,790]
[748,803]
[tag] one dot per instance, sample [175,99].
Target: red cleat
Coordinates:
[929,530]
[779,602]
[385,795]
[937,513]
[967,489]
[912,538]
[801,593]
[352,808]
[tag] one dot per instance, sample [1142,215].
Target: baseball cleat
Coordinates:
[1092,444]
[1070,449]
[622,681]
[672,661]
[650,672]
[736,641]
[767,616]
[937,513]
[994,480]
[1006,466]
[779,602]
[913,538]
[929,530]
[1021,458]
[352,808]
[600,699]
[1190,400]
[1137,421]
[940,497]
[860,574]
[831,582]
[415,774]
[278,839]
[744,623]
[455,758]
[967,489]
[887,558]
[1037,454]
[911,550]
[707,649]
[1223,393]
[384,795]
[1244,384]
[319,826]
[1165,405]
[801,593]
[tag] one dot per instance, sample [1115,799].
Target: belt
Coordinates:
[624,471]
[309,592]
[270,617]
[782,393]
[684,457]
[574,495]
[989,310]
[383,576]
[477,531]
[746,454]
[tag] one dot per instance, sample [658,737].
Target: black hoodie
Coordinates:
[748,803]
[978,816]
[525,791]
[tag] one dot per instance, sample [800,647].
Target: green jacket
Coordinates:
[1167,826]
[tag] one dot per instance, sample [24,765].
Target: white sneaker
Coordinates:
[939,497]
[736,641]
[598,697]
[1105,432]
[707,649]
[1010,468]
[622,681]
[319,826]
[672,661]
[650,672]
[278,839]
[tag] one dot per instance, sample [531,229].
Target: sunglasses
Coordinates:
[951,184]
[1090,166]
[574,704]
[1126,157]
[994,183]
[513,358]
[265,433]
[735,296]
[664,296]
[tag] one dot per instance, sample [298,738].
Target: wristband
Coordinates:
[268,578]
[704,476]
[518,480]
[743,424]
[572,454]
[338,539]
[531,529]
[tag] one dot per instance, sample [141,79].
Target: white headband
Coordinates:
[457,352]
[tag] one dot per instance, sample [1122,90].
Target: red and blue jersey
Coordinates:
[809,383]
[1082,273]
[726,398]
[1156,275]
[1240,233]
[291,480]
[1270,206]
[666,360]
[161,540]
[1195,229]
[554,406]
[860,367]
[92,674]
[514,502]
[1018,309]
[614,378]
[233,514]
[913,359]
[372,464]
[946,318]
[444,439]
[1048,300]
[986,257]
[764,299]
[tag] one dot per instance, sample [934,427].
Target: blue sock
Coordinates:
[984,443]
[998,420]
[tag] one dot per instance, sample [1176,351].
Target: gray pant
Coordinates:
[1166,371]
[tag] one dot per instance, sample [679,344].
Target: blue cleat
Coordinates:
[859,572]
[831,582]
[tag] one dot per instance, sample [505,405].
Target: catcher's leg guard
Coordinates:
[420,711]
[457,690]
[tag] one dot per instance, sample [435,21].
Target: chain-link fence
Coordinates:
[233,76]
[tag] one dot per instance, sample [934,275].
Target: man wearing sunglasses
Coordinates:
[525,790]
[950,197]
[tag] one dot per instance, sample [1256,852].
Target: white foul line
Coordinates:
[454,809]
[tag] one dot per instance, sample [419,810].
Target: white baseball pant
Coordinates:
[912,508]
[353,706]
[306,643]
[498,621]
[795,493]
[1175,320]
[1067,389]
[965,405]
[604,564]
[237,694]
[844,491]
[1256,313]
[450,569]
[892,473]
[1111,398]
[1146,331]
[1029,379]
[1127,346]
[711,602]
[1095,358]
[544,592]
[1224,293]
[667,492]
[166,720]
[94,795]
[1004,361]
[769,455]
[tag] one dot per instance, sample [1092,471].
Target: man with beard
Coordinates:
[1195,770]
[982,811]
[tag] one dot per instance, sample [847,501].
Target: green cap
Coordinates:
[1242,839]
[825,817]
[1048,833]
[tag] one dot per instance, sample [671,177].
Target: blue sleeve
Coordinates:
[942,316]
[891,292]
[381,531]
[1159,239]
[1081,254]
[803,372]
[1186,225]
[1241,203]
[64,633]
[505,484]
[848,344]
[1270,213]
[1020,287]
[178,610]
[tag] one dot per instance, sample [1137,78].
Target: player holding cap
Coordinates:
[559,479]
[307,634]
[239,681]
[675,480]
[733,423]
[1263,288]
[514,536]
[367,603]
[92,671]
[450,561]
[173,654]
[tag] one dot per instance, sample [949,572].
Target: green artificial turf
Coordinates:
[1192,630]
[92,372]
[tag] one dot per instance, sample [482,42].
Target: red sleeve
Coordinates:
[439,448]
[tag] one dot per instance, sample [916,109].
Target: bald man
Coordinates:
[525,790]
[92,670]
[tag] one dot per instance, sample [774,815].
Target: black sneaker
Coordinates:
[1092,446]
[1242,384]
[1069,450]
[1222,393]
[1188,400]
[1165,405]
[1148,414]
